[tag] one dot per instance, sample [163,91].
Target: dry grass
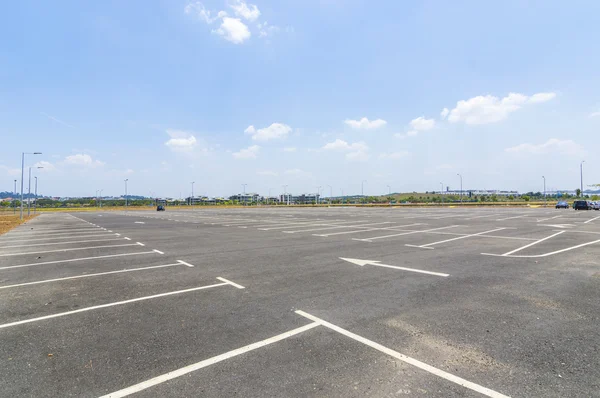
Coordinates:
[9,221]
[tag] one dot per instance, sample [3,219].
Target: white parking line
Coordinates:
[487,215]
[404,233]
[48,236]
[184,263]
[533,243]
[395,228]
[59,238]
[60,243]
[306,224]
[96,307]
[67,250]
[338,227]
[207,362]
[90,275]
[50,231]
[545,254]
[230,282]
[404,358]
[427,246]
[74,259]
[511,218]
[593,219]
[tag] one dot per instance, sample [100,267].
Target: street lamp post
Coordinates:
[23,174]
[285,197]
[29,191]
[36,198]
[101,197]
[244,194]
[442,192]
[581,174]
[545,200]
[362,190]
[461,188]
[14,200]
[192,198]
[330,193]
[127,179]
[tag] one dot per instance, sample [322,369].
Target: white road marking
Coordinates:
[405,233]
[377,263]
[311,224]
[453,239]
[67,234]
[75,259]
[139,222]
[488,215]
[158,251]
[231,283]
[127,238]
[593,219]
[207,362]
[545,254]
[140,243]
[337,227]
[184,263]
[549,218]
[533,243]
[118,234]
[511,218]
[404,358]
[96,307]
[67,250]
[61,243]
[59,238]
[89,275]
[565,226]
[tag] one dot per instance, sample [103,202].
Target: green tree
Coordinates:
[525,198]
[578,192]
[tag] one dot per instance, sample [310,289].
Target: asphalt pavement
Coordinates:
[295,302]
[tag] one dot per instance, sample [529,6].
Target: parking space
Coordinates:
[302,302]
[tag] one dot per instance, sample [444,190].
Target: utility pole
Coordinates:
[545,199]
[35,204]
[244,195]
[362,191]
[461,188]
[285,197]
[317,197]
[127,179]
[23,175]
[442,192]
[581,171]
[101,197]
[192,198]
[330,193]
[14,199]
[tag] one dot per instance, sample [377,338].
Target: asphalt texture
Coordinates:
[390,302]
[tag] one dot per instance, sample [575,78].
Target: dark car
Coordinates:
[582,205]
[160,208]
[562,205]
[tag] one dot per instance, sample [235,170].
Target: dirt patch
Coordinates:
[10,221]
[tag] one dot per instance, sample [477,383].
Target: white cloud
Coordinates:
[394,155]
[248,153]
[268,173]
[181,141]
[297,173]
[553,145]
[358,156]
[249,12]
[444,113]
[422,124]
[289,149]
[541,97]
[341,145]
[266,30]
[199,10]
[47,166]
[595,114]
[365,124]
[274,131]
[490,109]
[233,30]
[10,171]
[82,160]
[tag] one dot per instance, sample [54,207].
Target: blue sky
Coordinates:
[303,93]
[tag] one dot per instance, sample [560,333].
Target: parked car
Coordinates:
[596,205]
[562,205]
[582,205]
[160,208]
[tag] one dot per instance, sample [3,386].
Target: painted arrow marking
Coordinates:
[362,263]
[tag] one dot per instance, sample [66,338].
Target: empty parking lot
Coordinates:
[277,302]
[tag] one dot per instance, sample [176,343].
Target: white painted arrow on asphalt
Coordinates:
[362,263]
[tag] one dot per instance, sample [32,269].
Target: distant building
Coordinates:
[308,198]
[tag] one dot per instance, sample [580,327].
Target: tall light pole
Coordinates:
[330,193]
[362,191]
[461,188]
[244,194]
[442,192]
[36,198]
[581,171]
[285,197]
[318,192]
[545,201]
[127,179]
[101,197]
[14,199]
[29,190]
[192,198]
[23,175]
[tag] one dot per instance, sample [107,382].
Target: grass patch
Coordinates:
[10,221]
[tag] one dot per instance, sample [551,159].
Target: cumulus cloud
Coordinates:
[181,141]
[200,11]
[341,145]
[365,124]
[553,145]
[248,153]
[417,126]
[394,155]
[595,114]
[490,109]
[10,171]
[357,156]
[444,113]
[267,30]
[269,173]
[82,160]
[233,30]
[274,131]
[249,12]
